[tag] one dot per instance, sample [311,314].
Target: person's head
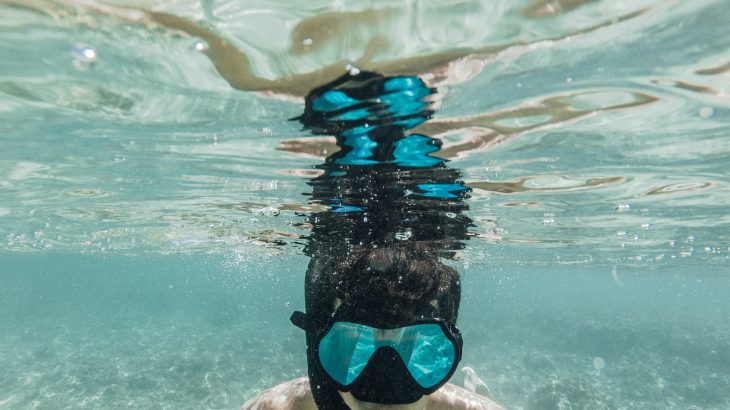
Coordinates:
[374,317]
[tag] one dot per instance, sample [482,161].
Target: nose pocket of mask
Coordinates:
[385,380]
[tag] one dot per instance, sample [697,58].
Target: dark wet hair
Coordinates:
[392,285]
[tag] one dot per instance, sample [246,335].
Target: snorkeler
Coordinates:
[381,308]
[386,336]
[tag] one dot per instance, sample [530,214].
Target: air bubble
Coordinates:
[85,57]
[598,363]
[623,207]
[307,41]
[200,45]
[548,219]
[706,112]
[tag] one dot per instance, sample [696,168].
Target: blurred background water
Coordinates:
[152,216]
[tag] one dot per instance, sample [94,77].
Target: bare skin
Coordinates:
[296,395]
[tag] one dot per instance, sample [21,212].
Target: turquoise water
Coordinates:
[152,216]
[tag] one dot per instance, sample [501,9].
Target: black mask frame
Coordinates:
[450,330]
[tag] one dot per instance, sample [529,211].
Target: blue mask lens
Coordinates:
[427,352]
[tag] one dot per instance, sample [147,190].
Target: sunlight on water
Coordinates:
[158,144]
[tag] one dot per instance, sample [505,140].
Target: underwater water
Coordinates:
[155,197]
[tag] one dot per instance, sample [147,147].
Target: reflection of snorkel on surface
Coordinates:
[381,307]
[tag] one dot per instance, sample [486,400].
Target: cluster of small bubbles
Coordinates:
[267,131]
[307,41]
[84,57]
[646,226]
[689,239]
[548,218]
[270,185]
[450,215]
[200,45]
[623,207]
[353,71]
[621,233]
[706,112]
[403,235]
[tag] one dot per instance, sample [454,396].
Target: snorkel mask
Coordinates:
[387,365]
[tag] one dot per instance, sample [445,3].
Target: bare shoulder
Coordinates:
[292,395]
[452,397]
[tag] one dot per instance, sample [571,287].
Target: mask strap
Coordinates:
[300,320]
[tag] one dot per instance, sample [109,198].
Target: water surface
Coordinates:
[152,220]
